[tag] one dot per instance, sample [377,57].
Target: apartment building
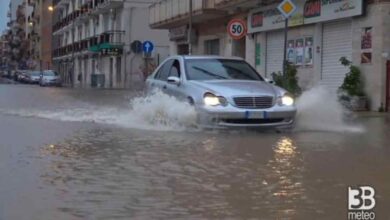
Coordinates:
[320,33]
[17,34]
[40,22]
[93,42]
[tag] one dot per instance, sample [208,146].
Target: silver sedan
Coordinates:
[226,92]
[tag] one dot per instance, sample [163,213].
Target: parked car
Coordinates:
[33,77]
[22,75]
[50,77]
[226,92]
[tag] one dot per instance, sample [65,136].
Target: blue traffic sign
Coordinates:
[148,46]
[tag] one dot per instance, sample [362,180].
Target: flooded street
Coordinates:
[86,154]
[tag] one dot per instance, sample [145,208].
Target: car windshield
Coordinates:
[50,73]
[35,73]
[220,69]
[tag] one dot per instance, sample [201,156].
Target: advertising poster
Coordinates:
[366,38]
[309,51]
[366,57]
[291,52]
[299,51]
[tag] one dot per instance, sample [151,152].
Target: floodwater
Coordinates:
[105,154]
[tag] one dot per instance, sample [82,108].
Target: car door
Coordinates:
[174,89]
[159,80]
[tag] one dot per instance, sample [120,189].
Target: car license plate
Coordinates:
[255,115]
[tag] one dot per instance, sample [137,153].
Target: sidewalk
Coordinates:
[367,114]
[6,81]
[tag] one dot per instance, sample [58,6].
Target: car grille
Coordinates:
[259,102]
[253,121]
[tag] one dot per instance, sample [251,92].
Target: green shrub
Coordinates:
[353,84]
[289,81]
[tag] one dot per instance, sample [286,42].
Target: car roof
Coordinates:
[193,57]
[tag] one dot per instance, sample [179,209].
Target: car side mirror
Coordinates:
[173,80]
[270,81]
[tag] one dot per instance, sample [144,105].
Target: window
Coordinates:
[175,69]
[211,47]
[164,71]
[220,69]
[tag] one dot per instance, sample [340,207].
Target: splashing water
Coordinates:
[157,111]
[319,110]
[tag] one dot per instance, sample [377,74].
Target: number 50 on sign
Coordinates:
[237,29]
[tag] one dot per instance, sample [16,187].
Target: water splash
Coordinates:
[157,111]
[320,110]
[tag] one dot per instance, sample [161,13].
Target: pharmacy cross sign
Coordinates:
[287,8]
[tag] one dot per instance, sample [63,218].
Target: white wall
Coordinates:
[378,17]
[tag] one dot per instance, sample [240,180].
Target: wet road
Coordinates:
[77,154]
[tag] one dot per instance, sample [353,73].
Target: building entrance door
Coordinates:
[239,48]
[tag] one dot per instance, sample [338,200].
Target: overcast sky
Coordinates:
[3,14]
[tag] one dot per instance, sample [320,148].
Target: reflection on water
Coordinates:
[117,175]
[285,178]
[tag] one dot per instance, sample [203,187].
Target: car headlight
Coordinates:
[286,100]
[213,100]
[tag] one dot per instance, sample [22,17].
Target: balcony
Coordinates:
[60,3]
[64,23]
[173,13]
[85,11]
[102,6]
[109,42]
[243,5]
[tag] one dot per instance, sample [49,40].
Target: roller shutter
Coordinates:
[274,52]
[336,43]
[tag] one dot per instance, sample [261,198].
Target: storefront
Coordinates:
[320,33]
[209,38]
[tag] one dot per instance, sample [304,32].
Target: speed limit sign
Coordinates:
[237,29]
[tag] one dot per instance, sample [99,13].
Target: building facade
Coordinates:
[320,33]
[99,43]
[40,21]
[17,35]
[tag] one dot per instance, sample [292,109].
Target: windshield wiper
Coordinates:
[208,72]
[240,71]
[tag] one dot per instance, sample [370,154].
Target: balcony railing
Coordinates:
[242,4]
[168,13]
[85,10]
[99,43]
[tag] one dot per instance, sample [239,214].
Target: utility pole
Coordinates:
[285,46]
[73,47]
[190,30]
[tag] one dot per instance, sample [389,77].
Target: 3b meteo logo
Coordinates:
[361,201]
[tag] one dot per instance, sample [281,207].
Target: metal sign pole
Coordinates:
[190,30]
[285,46]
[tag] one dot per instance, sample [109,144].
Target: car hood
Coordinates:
[231,88]
[50,77]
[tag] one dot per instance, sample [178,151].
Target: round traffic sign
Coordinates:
[237,28]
